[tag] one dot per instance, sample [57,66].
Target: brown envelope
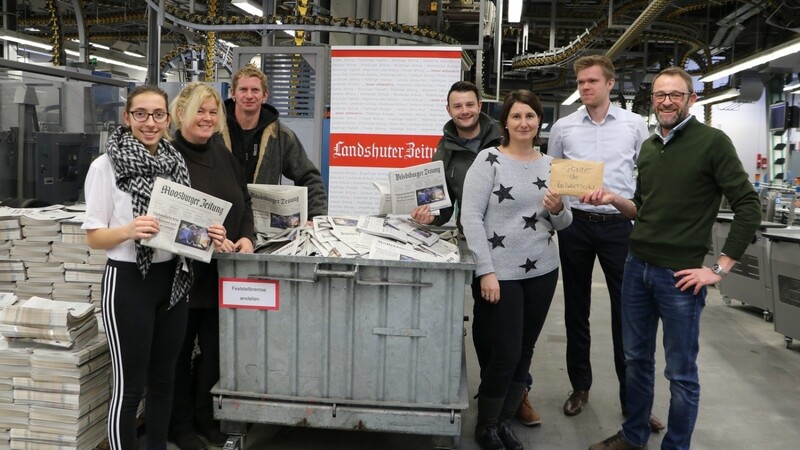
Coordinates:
[571,177]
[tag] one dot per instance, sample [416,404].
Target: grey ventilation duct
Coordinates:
[750,90]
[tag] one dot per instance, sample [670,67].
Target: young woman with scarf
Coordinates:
[144,290]
[199,115]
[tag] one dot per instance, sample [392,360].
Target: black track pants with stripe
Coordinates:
[144,339]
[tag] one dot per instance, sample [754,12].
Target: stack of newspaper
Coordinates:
[71,232]
[12,270]
[84,273]
[374,237]
[72,292]
[28,289]
[30,251]
[9,225]
[14,362]
[43,321]
[66,252]
[67,393]
[40,229]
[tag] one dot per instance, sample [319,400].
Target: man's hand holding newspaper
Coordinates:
[415,186]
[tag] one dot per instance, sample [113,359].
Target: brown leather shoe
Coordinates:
[526,415]
[656,425]
[615,442]
[576,401]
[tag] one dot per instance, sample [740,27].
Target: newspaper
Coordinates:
[184,215]
[416,186]
[278,207]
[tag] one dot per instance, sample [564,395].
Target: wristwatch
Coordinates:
[717,269]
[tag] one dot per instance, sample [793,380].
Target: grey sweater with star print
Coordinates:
[505,222]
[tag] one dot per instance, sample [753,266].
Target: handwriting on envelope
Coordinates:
[571,177]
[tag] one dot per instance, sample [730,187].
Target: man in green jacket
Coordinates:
[684,169]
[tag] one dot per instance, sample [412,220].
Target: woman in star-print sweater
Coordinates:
[510,216]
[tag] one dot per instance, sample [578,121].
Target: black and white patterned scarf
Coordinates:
[136,170]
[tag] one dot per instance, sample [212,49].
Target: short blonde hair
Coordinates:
[250,70]
[189,101]
[596,60]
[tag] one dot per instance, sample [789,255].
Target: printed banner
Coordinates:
[388,107]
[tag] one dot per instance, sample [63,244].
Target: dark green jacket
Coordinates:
[457,159]
[678,190]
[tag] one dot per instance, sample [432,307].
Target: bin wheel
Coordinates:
[768,316]
[234,442]
[726,300]
[787,341]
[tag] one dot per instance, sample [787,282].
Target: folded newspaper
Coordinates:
[184,215]
[278,207]
[414,186]
[374,237]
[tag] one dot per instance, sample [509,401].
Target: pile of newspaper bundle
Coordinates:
[43,253]
[14,362]
[47,322]
[374,237]
[67,393]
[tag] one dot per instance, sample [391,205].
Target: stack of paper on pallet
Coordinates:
[27,289]
[65,252]
[30,251]
[9,225]
[46,271]
[71,231]
[84,273]
[14,362]
[68,393]
[5,248]
[4,440]
[72,292]
[12,270]
[97,257]
[40,230]
[43,321]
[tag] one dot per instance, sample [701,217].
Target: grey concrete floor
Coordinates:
[750,390]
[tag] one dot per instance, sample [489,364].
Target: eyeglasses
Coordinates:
[674,96]
[142,116]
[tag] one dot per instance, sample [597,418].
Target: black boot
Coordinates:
[507,436]
[504,428]
[486,429]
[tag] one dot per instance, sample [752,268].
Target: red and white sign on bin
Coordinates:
[245,293]
[388,107]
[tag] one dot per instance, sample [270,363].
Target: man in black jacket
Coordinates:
[265,147]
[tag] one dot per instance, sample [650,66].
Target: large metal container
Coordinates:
[382,338]
[750,280]
[785,263]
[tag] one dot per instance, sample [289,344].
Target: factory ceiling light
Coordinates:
[249,6]
[764,57]
[572,98]
[514,11]
[725,95]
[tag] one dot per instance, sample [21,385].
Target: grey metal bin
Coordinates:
[355,344]
[785,262]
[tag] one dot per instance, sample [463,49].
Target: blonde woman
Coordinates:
[198,113]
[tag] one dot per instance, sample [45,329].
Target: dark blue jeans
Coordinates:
[649,294]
